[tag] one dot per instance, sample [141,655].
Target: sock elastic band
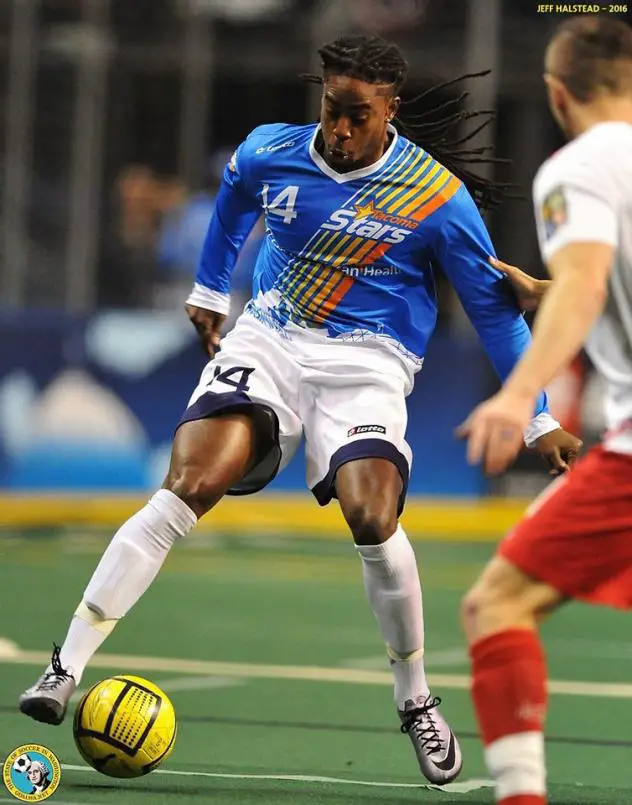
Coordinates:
[94,619]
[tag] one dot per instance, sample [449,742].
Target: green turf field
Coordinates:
[276,670]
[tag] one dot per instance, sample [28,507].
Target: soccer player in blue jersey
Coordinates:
[343,306]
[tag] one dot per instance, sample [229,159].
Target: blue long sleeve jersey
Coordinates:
[350,255]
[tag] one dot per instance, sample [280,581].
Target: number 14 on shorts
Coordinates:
[237,377]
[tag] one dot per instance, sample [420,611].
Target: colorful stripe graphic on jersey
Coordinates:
[319,284]
[323,246]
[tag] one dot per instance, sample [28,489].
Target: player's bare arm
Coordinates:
[558,448]
[568,313]
[501,328]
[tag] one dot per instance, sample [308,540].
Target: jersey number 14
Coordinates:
[282,204]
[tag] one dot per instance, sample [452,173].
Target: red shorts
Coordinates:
[577,536]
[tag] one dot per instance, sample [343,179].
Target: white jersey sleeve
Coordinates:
[584,193]
[575,198]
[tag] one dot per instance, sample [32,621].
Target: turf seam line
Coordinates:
[455,788]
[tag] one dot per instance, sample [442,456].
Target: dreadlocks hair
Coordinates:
[372,59]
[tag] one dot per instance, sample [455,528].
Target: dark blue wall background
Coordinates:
[40,347]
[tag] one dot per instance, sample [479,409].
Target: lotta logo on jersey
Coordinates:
[31,773]
[367,222]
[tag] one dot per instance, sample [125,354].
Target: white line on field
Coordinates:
[8,648]
[454,788]
[184,683]
[124,663]
[448,657]
[199,683]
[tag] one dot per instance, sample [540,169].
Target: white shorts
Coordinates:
[347,399]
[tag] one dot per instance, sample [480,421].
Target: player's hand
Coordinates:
[495,430]
[528,290]
[208,324]
[560,449]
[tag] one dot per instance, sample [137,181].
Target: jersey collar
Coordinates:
[360,173]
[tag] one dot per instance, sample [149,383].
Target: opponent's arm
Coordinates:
[578,247]
[566,316]
[462,247]
[236,212]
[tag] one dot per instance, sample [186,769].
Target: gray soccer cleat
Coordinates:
[47,700]
[436,746]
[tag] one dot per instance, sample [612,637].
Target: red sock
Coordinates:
[509,693]
[523,799]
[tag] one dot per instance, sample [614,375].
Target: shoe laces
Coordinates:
[421,723]
[52,679]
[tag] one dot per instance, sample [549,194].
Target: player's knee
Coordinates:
[199,489]
[371,524]
[493,604]
[475,605]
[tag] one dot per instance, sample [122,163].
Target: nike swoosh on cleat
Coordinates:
[448,763]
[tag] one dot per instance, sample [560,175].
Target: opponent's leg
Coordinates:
[208,457]
[500,616]
[369,491]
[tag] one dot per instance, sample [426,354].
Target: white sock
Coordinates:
[391,580]
[127,568]
[82,641]
[516,763]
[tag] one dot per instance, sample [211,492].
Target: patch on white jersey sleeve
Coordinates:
[554,212]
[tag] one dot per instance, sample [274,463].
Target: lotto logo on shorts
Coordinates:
[366,429]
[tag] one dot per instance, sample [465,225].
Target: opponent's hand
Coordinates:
[560,449]
[495,434]
[208,324]
[495,431]
[528,290]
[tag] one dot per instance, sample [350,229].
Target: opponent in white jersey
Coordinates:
[576,540]
[583,194]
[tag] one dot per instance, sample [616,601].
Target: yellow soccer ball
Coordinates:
[125,726]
